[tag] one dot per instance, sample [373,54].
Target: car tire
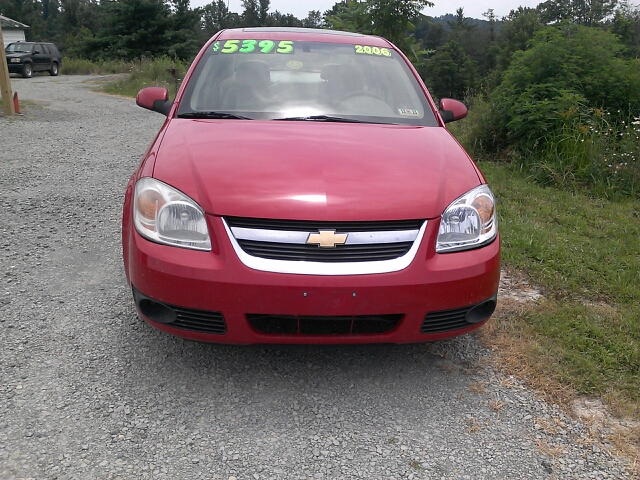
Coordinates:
[54,69]
[27,70]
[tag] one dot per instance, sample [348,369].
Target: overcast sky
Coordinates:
[472,8]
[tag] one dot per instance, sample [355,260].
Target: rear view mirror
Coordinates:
[155,99]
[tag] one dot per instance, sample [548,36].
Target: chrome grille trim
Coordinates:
[323,268]
[354,238]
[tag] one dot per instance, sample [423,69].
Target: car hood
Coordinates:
[17,54]
[313,170]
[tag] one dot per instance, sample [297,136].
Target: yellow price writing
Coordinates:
[367,50]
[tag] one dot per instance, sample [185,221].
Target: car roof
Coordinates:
[29,43]
[302,34]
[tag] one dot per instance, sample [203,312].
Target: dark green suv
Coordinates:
[28,57]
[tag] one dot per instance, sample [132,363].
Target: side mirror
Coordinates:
[155,99]
[36,52]
[452,110]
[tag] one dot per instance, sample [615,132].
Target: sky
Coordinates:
[472,8]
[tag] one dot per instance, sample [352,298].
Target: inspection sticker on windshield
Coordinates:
[253,46]
[408,112]
[367,50]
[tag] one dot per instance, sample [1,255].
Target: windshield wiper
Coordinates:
[324,118]
[222,115]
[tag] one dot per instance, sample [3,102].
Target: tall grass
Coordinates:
[77,66]
[160,72]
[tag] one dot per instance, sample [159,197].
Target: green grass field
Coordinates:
[584,253]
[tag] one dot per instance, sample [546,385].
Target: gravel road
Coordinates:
[89,391]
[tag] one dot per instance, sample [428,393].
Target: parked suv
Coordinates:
[28,57]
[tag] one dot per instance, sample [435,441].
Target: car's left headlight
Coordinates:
[469,222]
[165,215]
[15,60]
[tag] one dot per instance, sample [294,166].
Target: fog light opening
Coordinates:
[482,311]
[156,311]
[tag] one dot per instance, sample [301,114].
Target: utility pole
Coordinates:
[5,83]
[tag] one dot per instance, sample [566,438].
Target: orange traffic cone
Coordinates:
[16,104]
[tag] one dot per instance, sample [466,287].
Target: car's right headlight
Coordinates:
[469,222]
[165,215]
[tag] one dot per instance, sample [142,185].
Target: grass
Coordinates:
[76,66]
[584,253]
[146,73]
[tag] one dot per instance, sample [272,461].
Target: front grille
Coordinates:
[374,249]
[313,226]
[199,321]
[313,253]
[446,320]
[313,325]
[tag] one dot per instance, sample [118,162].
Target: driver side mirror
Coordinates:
[452,110]
[155,99]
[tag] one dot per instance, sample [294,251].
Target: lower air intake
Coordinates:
[310,325]
[459,318]
[199,321]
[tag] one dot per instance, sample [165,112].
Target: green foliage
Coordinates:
[580,12]
[79,66]
[147,73]
[516,31]
[391,19]
[550,108]
[450,73]
[583,252]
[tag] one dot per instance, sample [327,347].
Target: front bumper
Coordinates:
[15,67]
[419,299]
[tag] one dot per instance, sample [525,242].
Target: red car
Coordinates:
[304,189]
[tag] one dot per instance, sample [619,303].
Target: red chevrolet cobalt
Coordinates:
[304,189]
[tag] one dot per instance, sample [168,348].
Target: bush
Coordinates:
[565,110]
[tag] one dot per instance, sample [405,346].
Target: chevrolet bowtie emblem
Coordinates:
[327,238]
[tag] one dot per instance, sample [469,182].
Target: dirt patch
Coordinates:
[514,346]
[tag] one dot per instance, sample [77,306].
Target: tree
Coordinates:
[314,20]
[391,19]
[581,12]
[450,73]
[251,13]
[133,29]
[626,25]
[215,17]
[185,28]
[263,12]
[516,31]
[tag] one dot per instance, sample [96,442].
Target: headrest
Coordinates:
[253,72]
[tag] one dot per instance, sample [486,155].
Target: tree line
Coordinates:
[455,54]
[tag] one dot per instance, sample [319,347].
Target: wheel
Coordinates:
[54,69]
[27,70]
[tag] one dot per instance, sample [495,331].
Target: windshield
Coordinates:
[266,79]
[19,47]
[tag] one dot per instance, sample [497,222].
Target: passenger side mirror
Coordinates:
[452,110]
[155,99]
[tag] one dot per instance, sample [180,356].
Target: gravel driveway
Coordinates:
[89,391]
